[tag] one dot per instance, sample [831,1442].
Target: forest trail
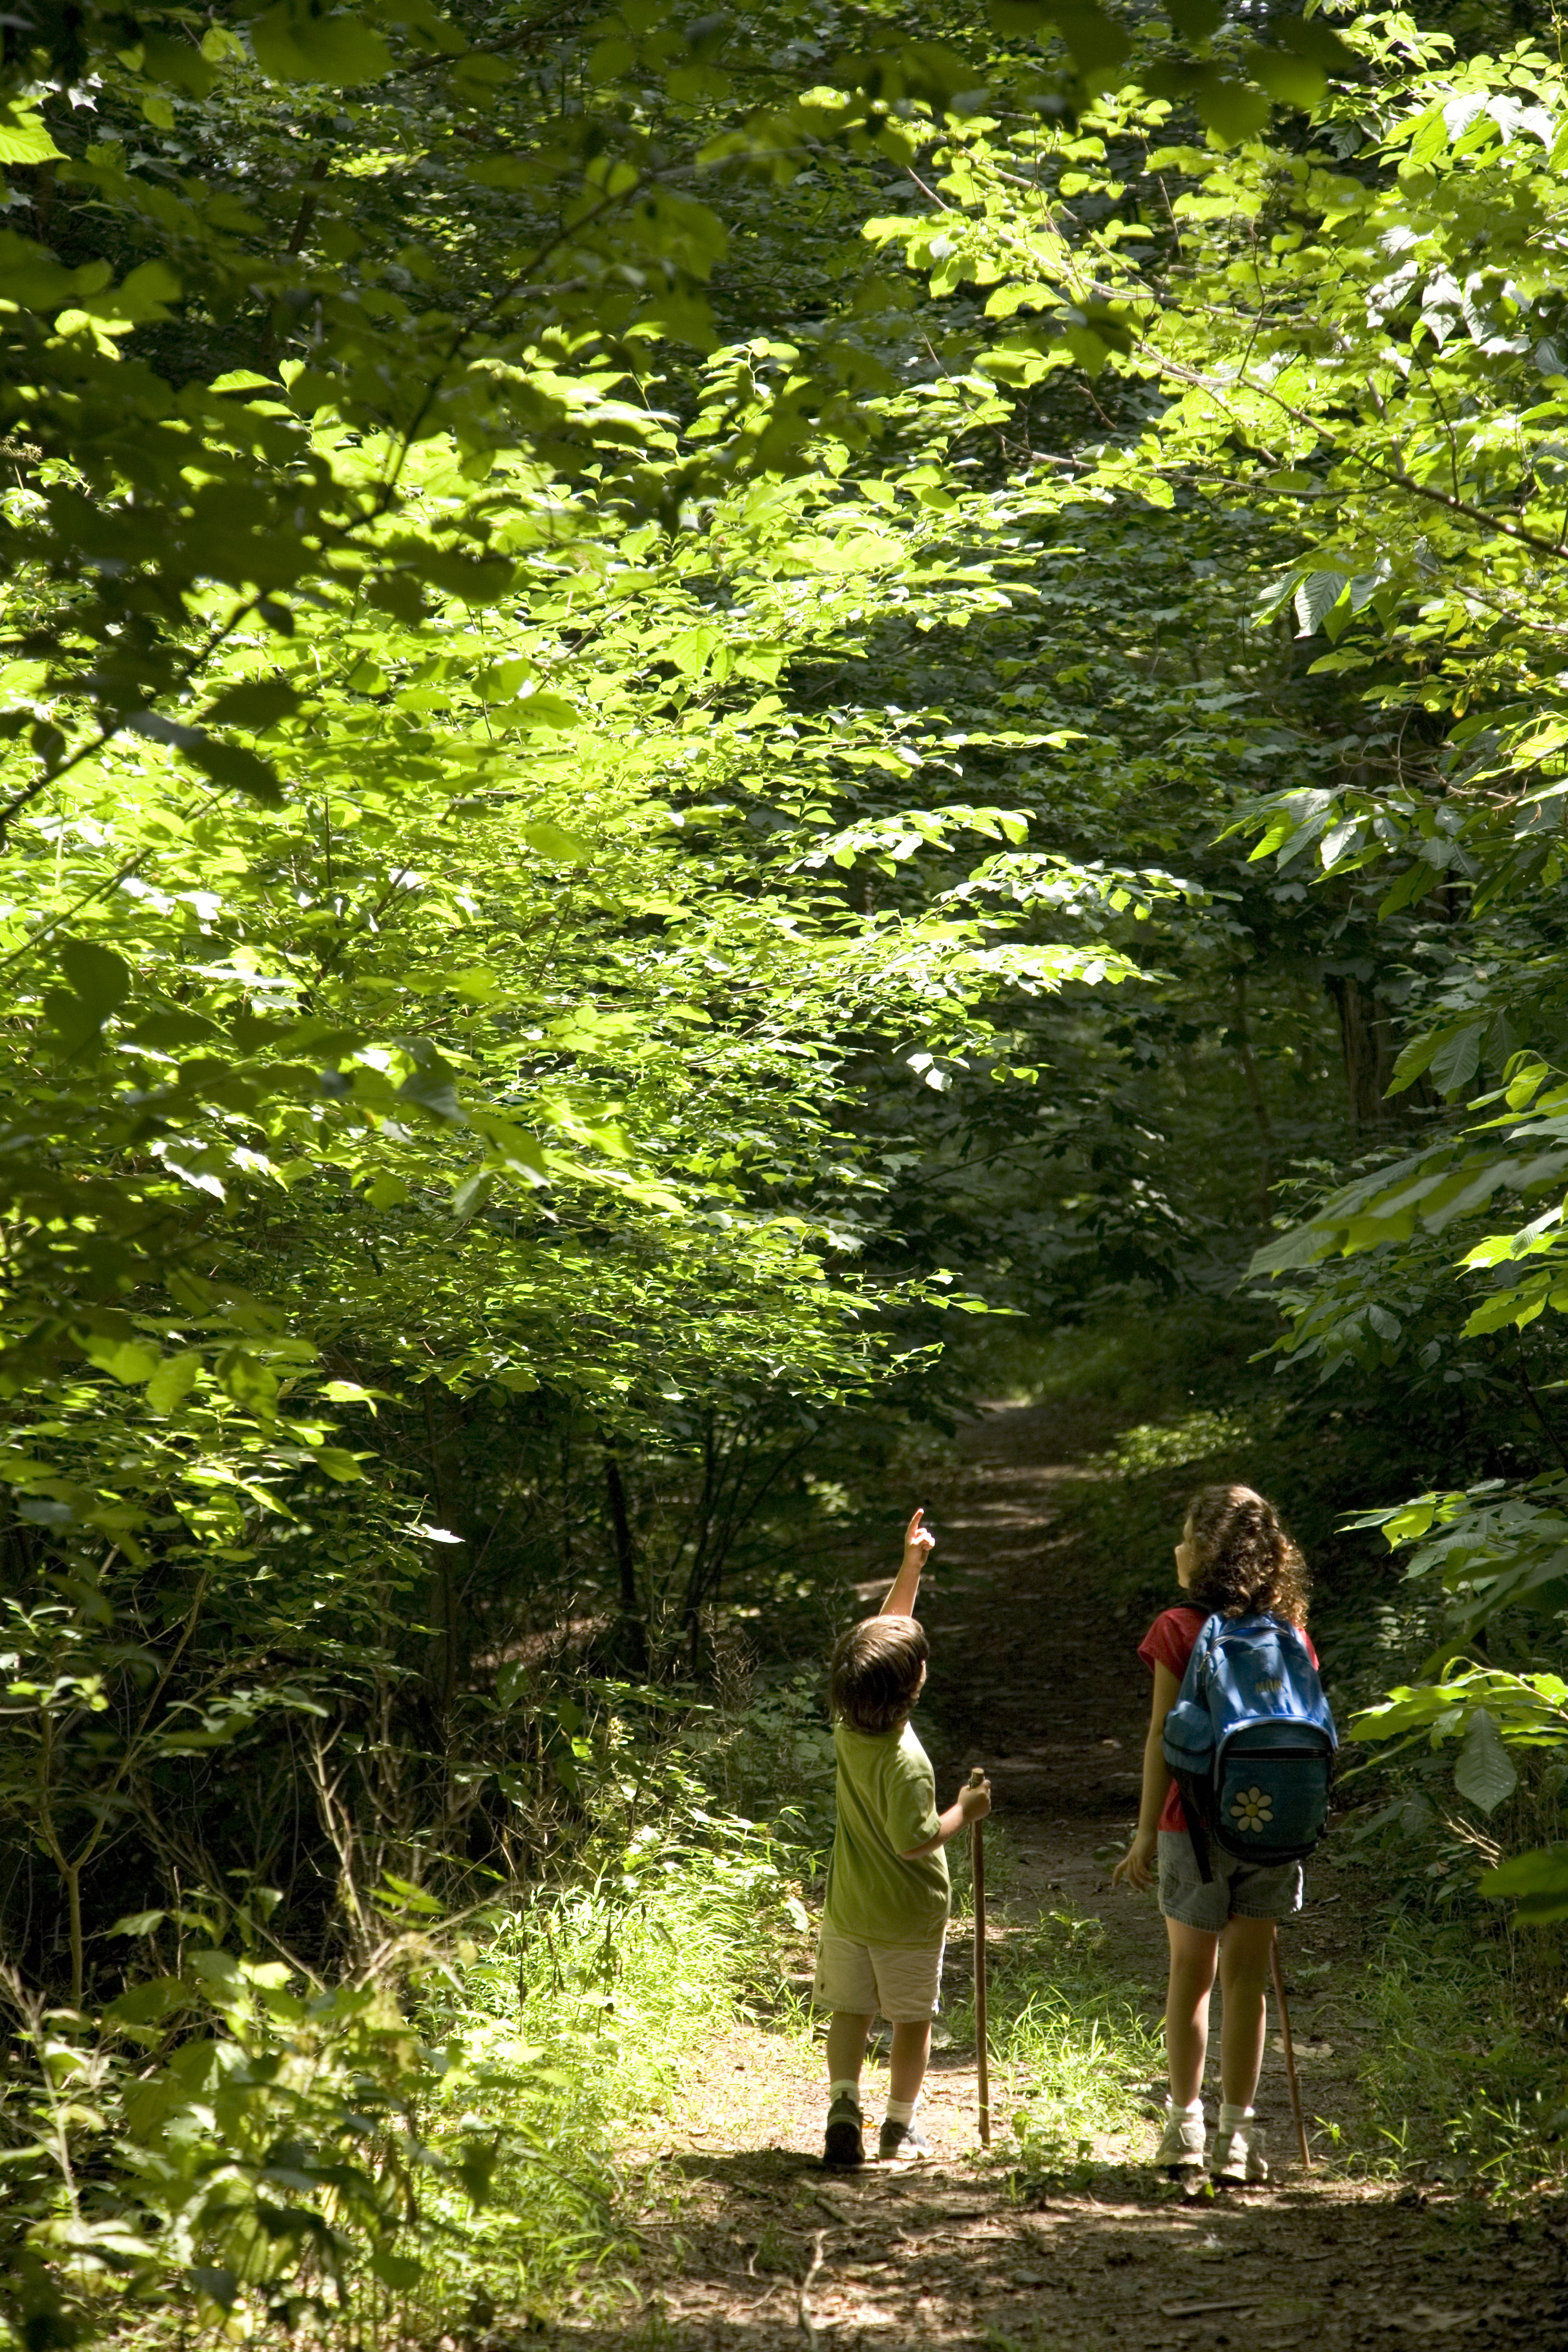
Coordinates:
[743,2241]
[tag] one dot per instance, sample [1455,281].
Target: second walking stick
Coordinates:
[1290,2049]
[981,2057]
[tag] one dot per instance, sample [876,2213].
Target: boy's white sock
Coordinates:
[1231,2118]
[902,2111]
[848,2087]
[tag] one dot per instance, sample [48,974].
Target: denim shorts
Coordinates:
[1237,1890]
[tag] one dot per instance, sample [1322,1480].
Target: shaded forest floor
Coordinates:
[743,2241]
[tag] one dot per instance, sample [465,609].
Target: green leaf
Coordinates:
[554,843]
[1456,1057]
[1316,597]
[247,1380]
[150,2003]
[402,1894]
[474,580]
[23,136]
[232,764]
[1536,1882]
[294,42]
[99,978]
[1294,81]
[397,2271]
[551,710]
[130,1361]
[167,58]
[433,1089]
[472,1193]
[1414,1059]
[1484,1774]
[1096,40]
[1234,110]
[260,702]
[338,1463]
[219,2286]
[173,1381]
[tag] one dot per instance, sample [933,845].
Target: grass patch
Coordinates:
[1460,2084]
[1072,2049]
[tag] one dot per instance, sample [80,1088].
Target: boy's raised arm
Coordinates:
[905,1588]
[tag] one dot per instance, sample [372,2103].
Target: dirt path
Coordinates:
[747,2242]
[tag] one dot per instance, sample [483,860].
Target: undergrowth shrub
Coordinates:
[1462,2085]
[243,2149]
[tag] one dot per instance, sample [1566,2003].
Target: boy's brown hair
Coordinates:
[1247,1563]
[875,1677]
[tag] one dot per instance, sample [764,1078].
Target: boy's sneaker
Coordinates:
[842,2146]
[1180,2148]
[1238,2160]
[902,2143]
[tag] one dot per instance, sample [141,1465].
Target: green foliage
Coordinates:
[612,809]
[1462,2082]
[242,2147]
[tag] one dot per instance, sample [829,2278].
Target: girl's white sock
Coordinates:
[902,2111]
[1231,2118]
[848,2087]
[1193,2108]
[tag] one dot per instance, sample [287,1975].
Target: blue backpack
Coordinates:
[1251,1741]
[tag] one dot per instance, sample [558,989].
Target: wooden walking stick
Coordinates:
[1289,2051]
[981,2056]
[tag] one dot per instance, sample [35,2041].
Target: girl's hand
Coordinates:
[919,1543]
[1137,1864]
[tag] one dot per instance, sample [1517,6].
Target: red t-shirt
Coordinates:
[1170,1642]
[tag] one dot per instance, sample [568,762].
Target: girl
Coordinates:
[1234,1557]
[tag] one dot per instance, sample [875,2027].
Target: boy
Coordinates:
[884,1923]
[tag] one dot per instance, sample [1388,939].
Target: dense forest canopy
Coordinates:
[690,704]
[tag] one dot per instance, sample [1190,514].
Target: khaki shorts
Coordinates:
[1237,1890]
[903,1982]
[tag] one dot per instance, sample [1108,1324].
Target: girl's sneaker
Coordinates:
[902,2143]
[842,2146]
[1180,2148]
[1238,2160]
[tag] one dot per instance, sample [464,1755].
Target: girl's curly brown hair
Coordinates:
[1246,1563]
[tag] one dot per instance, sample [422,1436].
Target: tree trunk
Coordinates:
[632,1622]
[446,1599]
[1367,1042]
[1255,1096]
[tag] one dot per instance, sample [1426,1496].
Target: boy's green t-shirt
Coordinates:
[887,1803]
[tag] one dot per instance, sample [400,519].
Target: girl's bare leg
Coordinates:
[1194,1955]
[1244,1981]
